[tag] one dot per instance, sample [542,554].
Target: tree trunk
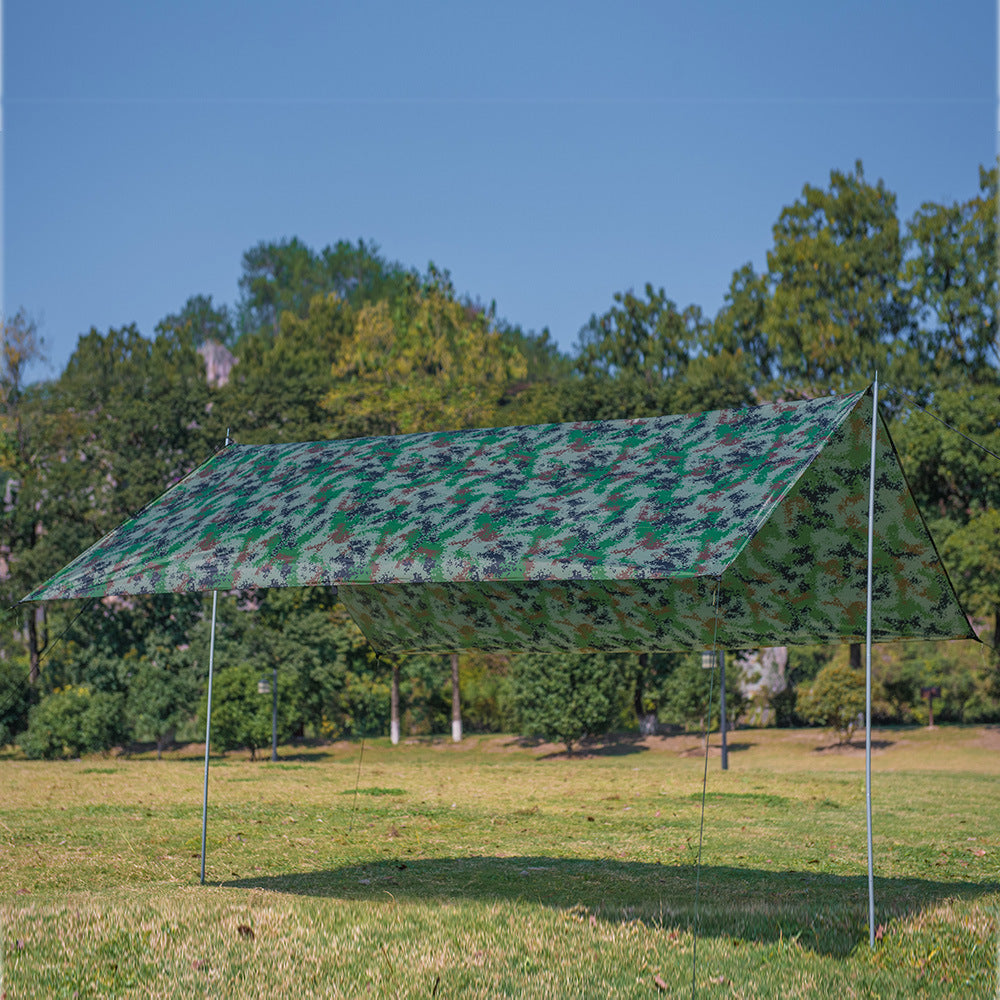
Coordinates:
[164,739]
[42,623]
[394,706]
[456,705]
[648,722]
[34,657]
[640,688]
[856,655]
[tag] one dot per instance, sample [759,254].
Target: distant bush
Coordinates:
[835,699]
[241,714]
[487,698]
[566,697]
[160,696]
[72,721]
[362,708]
[15,698]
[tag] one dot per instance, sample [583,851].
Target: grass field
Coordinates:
[498,869]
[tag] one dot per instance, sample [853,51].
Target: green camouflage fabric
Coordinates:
[623,534]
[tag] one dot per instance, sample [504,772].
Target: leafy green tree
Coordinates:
[834,699]
[128,417]
[653,680]
[738,330]
[144,416]
[241,715]
[529,400]
[957,488]
[896,689]
[639,349]
[361,707]
[485,684]
[278,277]
[563,698]
[834,311]
[114,636]
[16,698]
[431,363]
[162,694]
[830,311]
[972,551]
[284,276]
[359,273]
[426,692]
[331,682]
[310,637]
[949,476]
[646,357]
[23,433]
[277,390]
[72,721]
[951,274]
[686,689]
[200,321]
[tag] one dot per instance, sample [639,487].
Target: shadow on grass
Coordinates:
[853,747]
[827,913]
[615,745]
[195,753]
[623,745]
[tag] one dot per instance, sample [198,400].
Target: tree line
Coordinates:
[343,342]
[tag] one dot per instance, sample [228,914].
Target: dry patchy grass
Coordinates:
[499,869]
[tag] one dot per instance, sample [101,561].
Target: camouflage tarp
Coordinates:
[619,534]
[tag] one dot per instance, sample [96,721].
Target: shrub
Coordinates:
[363,708]
[15,698]
[241,715]
[834,699]
[72,721]
[566,697]
[162,694]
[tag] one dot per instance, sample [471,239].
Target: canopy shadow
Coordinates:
[824,912]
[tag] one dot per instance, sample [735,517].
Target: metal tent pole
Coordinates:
[868,668]
[274,713]
[208,716]
[722,708]
[208,734]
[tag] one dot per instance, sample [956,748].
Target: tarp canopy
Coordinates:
[742,527]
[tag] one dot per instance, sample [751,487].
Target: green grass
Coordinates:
[496,869]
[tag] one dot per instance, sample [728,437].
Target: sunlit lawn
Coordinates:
[496,869]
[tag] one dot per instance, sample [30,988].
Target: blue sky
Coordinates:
[547,154]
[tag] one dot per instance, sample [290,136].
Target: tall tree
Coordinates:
[641,347]
[950,477]
[951,274]
[834,313]
[201,321]
[128,417]
[21,438]
[566,698]
[276,391]
[738,330]
[973,552]
[286,275]
[430,363]
[646,357]
[143,412]
[278,276]
[831,312]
